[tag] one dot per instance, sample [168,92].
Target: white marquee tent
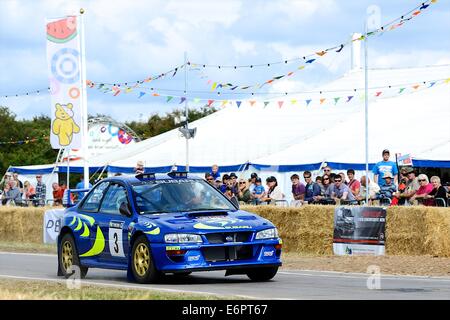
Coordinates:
[297,137]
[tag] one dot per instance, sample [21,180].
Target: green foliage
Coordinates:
[41,152]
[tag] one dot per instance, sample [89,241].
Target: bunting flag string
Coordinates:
[25,141]
[323,96]
[309,58]
[128,87]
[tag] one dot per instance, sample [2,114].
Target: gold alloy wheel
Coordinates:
[141,259]
[67,255]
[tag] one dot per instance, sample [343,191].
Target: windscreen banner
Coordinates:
[359,230]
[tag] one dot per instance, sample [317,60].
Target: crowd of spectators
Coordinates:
[14,192]
[389,187]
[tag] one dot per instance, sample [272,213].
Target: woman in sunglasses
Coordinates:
[325,190]
[425,187]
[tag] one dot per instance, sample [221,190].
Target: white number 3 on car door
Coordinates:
[115,239]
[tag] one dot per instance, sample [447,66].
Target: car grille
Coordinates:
[214,254]
[222,237]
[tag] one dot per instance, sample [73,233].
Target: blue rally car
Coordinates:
[154,224]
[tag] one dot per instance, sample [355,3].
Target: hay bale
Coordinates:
[21,224]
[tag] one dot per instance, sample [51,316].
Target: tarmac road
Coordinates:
[292,284]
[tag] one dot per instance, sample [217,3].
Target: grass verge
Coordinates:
[48,290]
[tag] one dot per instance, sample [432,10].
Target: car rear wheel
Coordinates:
[262,274]
[142,266]
[68,258]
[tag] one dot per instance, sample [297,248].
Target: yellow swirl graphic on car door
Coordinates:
[99,245]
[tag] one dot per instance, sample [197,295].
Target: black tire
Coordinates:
[262,274]
[64,262]
[142,266]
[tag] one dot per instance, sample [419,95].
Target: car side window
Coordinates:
[93,200]
[114,197]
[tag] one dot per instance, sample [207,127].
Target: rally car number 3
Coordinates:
[115,240]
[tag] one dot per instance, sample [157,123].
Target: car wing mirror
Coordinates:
[124,209]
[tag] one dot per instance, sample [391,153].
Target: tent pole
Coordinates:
[84,103]
[186,111]
[366,110]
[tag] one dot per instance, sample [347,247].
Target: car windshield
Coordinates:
[175,195]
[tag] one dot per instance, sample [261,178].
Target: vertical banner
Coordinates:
[405,160]
[64,61]
[359,230]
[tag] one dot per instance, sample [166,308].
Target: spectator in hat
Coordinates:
[139,169]
[384,166]
[234,184]
[425,188]
[298,191]
[258,191]
[412,185]
[388,189]
[274,193]
[215,171]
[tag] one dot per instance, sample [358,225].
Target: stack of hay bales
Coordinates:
[308,230]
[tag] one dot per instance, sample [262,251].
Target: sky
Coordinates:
[131,40]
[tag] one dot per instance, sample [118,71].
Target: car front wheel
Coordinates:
[262,274]
[142,266]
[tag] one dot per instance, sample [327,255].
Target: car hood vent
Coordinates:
[207,214]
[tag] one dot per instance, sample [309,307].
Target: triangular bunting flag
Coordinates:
[252,102]
[301,67]
[321,53]
[224,102]
[238,103]
[310,60]
[210,102]
[182,100]
[377,94]
[432,84]
[349,98]
[401,90]
[293,101]
[141,94]
[340,49]
[278,78]
[308,102]
[416,86]
[322,100]
[336,100]
[176,69]
[214,86]
[280,104]
[290,73]
[233,88]
[266,103]
[169,98]
[155,94]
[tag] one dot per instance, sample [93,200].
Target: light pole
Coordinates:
[366,110]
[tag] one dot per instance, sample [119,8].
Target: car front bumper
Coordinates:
[223,256]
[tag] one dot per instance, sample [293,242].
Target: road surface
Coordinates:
[288,284]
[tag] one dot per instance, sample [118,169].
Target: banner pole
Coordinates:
[366,111]
[84,103]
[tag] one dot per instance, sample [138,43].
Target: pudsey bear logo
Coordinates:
[64,126]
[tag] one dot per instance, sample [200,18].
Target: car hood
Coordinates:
[206,221]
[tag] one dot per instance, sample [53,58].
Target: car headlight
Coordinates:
[267,234]
[182,238]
